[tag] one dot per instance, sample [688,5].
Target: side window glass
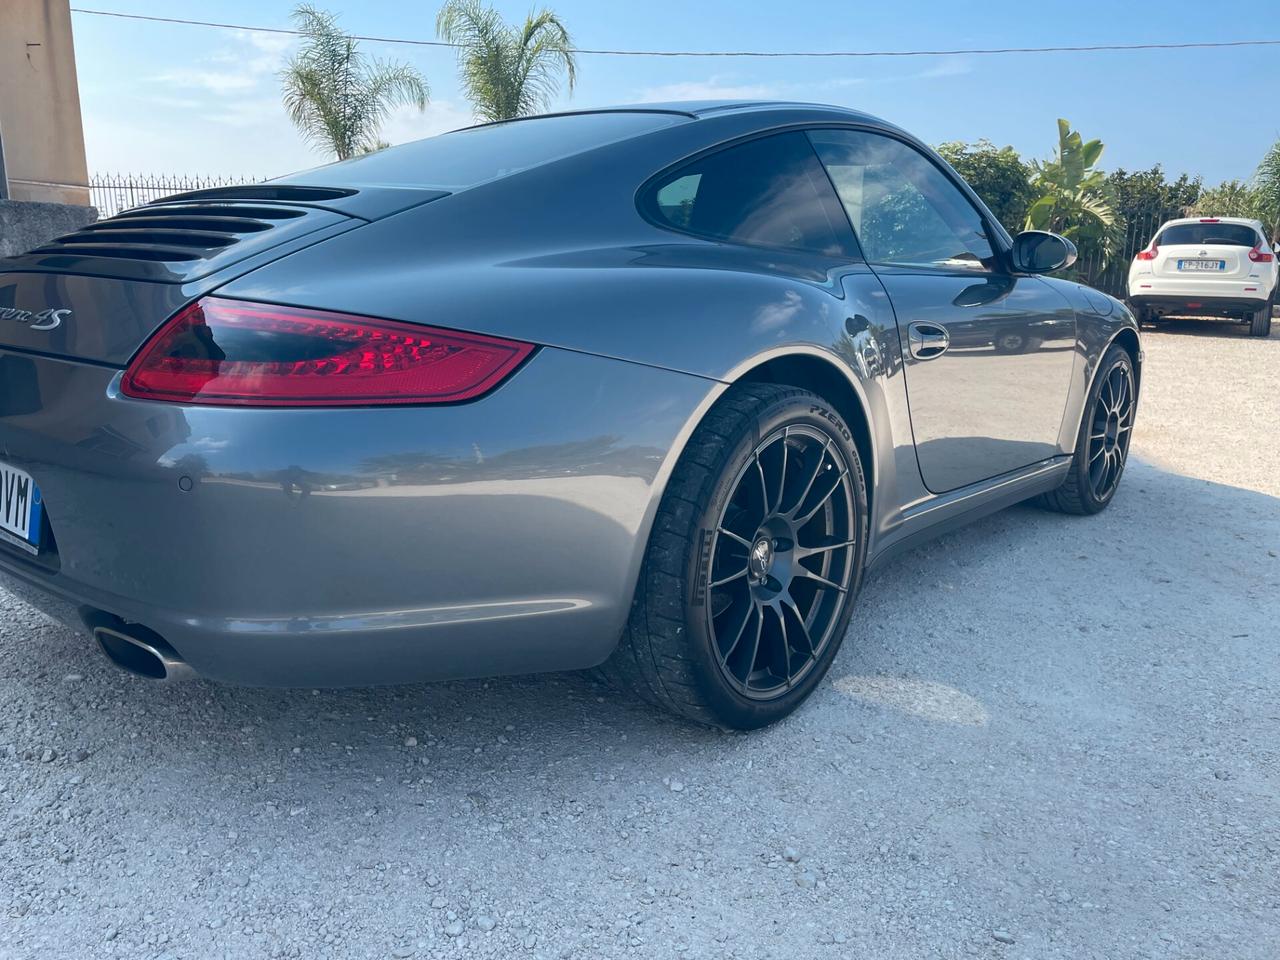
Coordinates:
[904,210]
[771,192]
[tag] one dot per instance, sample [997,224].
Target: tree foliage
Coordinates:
[338,97]
[508,71]
[998,175]
[1072,198]
[1267,187]
[1146,195]
[1231,198]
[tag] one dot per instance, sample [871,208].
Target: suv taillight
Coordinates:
[1148,254]
[1258,255]
[236,353]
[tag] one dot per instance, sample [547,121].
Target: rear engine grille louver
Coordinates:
[171,234]
[191,235]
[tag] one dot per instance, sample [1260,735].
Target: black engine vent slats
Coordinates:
[177,240]
[281,193]
[173,221]
[145,252]
[155,236]
[241,211]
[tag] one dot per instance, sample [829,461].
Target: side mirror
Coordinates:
[1038,251]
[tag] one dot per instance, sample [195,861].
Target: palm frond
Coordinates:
[1266,184]
[508,72]
[336,97]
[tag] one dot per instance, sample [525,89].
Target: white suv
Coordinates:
[1208,267]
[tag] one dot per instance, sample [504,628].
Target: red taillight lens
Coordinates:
[1258,255]
[1210,220]
[1148,254]
[231,352]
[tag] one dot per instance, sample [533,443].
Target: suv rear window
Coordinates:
[1204,234]
[465,158]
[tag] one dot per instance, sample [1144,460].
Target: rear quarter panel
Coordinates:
[560,256]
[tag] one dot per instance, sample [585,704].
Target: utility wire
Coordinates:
[1089,48]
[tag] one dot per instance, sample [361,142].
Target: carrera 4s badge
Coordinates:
[43,320]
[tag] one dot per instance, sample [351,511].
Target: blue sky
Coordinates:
[162,98]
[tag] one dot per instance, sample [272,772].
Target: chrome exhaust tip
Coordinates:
[142,653]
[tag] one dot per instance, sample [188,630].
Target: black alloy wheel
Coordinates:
[1102,444]
[782,551]
[1111,425]
[754,562]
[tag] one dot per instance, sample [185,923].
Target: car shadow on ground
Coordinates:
[1033,712]
[947,583]
[1205,327]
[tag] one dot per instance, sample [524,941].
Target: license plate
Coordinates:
[20,508]
[1212,266]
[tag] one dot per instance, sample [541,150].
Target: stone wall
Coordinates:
[25,224]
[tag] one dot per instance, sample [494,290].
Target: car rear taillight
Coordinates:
[232,352]
[1210,220]
[1258,255]
[1148,254]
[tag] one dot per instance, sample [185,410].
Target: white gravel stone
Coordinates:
[981,760]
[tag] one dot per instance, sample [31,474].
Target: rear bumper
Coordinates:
[349,547]
[1197,295]
[1193,305]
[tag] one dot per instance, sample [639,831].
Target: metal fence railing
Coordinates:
[1112,275]
[112,193]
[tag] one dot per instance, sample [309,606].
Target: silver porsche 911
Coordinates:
[646,389]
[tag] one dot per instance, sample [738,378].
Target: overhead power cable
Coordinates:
[978,51]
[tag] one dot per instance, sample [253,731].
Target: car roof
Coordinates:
[702,108]
[1243,221]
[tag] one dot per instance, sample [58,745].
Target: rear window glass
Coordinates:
[771,192]
[1204,234]
[464,158]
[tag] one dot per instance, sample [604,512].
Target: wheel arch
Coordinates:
[1127,337]
[824,378]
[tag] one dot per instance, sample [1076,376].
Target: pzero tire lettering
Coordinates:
[833,419]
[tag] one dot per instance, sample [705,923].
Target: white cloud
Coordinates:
[253,59]
[248,112]
[441,116]
[950,67]
[713,88]
[214,81]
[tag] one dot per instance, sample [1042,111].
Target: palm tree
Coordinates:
[336,96]
[1073,197]
[507,71]
[1267,191]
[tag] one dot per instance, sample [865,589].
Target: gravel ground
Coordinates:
[1046,738]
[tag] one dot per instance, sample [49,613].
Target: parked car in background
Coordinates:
[620,387]
[1207,267]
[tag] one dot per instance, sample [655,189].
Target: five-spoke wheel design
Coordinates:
[782,557]
[1110,426]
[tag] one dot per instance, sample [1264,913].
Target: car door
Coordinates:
[988,353]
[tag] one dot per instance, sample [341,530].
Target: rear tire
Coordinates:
[1102,443]
[771,483]
[1260,321]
